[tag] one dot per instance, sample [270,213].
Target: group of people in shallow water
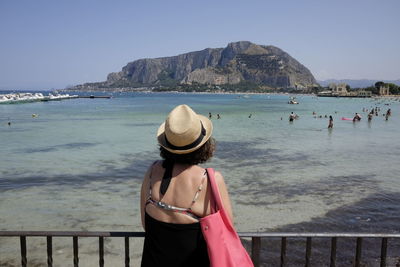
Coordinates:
[357,116]
[375,111]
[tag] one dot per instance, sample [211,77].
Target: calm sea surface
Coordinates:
[78,165]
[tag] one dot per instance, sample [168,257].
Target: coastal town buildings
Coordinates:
[384,90]
[340,90]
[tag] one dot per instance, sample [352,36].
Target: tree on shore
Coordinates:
[393,88]
[379,84]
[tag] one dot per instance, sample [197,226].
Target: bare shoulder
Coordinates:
[155,166]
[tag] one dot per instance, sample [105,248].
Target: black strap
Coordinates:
[169,166]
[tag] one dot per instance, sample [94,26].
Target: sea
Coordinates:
[78,164]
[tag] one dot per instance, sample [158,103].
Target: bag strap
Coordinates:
[216,201]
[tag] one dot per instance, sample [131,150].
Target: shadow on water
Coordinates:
[138,164]
[251,155]
[136,168]
[330,190]
[383,217]
[59,147]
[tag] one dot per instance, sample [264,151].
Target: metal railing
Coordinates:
[255,244]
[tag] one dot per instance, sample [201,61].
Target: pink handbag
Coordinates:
[223,243]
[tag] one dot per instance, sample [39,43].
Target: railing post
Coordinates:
[283,252]
[49,251]
[23,251]
[76,252]
[101,251]
[384,251]
[308,251]
[255,250]
[333,252]
[358,252]
[127,259]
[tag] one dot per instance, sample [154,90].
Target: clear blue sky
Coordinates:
[55,43]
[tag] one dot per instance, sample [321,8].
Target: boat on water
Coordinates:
[293,100]
[16,98]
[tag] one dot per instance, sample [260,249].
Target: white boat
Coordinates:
[293,100]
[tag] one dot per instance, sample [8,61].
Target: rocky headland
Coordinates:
[243,65]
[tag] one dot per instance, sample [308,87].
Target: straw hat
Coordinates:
[184,131]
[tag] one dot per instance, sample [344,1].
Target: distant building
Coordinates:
[384,90]
[338,89]
[363,93]
[299,86]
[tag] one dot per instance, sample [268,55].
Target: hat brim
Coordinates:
[207,124]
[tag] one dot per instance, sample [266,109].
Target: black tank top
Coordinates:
[171,244]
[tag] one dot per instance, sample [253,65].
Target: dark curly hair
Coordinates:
[201,155]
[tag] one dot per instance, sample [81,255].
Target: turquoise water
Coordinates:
[78,165]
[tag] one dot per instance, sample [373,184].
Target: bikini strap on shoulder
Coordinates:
[199,189]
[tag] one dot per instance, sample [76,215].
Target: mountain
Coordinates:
[238,63]
[357,83]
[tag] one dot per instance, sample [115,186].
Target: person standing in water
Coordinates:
[330,125]
[292,117]
[370,115]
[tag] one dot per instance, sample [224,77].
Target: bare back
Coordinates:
[188,188]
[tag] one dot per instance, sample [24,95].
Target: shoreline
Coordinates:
[220,93]
[198,93]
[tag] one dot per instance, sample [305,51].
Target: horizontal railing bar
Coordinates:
[71,233]
[323,235]
[241,234]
